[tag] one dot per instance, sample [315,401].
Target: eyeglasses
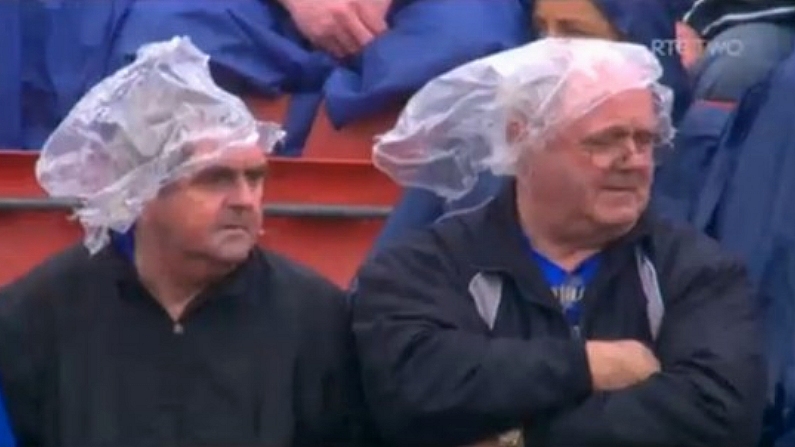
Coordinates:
[608,148]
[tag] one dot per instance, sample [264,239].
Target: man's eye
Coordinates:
[255,176]
[215,177]
[602,143]
[646,138]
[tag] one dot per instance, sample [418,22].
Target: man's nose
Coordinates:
[635,155]
[244,194]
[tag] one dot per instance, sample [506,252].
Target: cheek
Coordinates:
[647,179]
[196,214]
[205,213]
[649,174]
[582,184]
[574,192]
[590,193]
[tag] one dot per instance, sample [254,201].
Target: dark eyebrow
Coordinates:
[215,171]
[609,132]
[227,172]
[256,171]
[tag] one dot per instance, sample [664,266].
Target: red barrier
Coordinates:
[334,247]
[354,141]
[268,109]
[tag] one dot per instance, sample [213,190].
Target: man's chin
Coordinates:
[620,218]
[233,249]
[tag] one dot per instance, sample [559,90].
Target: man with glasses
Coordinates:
[561,313]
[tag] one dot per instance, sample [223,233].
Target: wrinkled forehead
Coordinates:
[207,153]
[630,110]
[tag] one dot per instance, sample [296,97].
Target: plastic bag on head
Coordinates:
[141,128]
[457,125]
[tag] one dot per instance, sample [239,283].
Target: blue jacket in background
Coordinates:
[254,46]
[748,203]
[426,38]
[680,177]
[10,74]
[66,46]
[6,436]
[57,49]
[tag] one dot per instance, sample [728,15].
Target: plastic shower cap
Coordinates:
[140,129]
[456,126]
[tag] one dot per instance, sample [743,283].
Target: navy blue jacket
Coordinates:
[747,202]
[436,374]
[53,51]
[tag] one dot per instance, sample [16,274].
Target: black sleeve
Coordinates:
[24,345]
[331,408]
[711,390]
[430,377]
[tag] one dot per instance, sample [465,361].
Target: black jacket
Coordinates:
[710,17]
[88,358]
[435,374]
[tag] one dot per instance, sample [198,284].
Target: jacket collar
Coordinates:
[118,268]
[498,245]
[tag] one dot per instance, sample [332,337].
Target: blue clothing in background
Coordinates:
[6,436]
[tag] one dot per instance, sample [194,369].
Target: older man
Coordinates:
[561,312]
[170,327]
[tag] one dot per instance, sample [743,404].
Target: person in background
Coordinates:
[169,326]
[745,40]
[341,27]
[562,312]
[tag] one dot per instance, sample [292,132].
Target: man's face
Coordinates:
[214,213]
[598,169]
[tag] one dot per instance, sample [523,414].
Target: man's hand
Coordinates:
[690,45]
[341,27]
[513,438]
[619,364]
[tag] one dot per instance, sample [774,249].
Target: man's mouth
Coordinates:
[234,228]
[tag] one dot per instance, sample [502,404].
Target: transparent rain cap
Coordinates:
[457,125]
[148,124]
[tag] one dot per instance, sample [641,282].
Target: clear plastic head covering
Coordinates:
[160,118]
[457,125]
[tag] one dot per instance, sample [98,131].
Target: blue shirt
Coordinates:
[124,243]
[568,287]
[6,437]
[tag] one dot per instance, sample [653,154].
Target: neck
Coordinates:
[173,278]
[550,238]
